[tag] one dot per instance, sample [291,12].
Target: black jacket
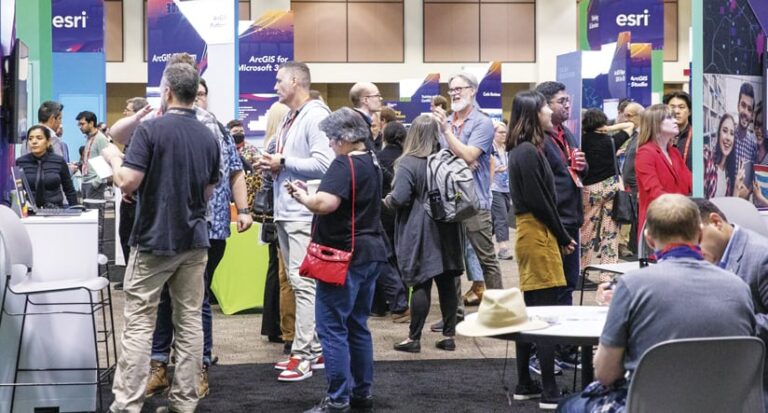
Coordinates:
[569,203]
[53,176]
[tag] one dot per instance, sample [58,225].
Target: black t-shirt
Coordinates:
[180,158]
[335,229]
[600,156]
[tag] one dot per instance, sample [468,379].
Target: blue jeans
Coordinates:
[163,336]
[474,270]
[342,326]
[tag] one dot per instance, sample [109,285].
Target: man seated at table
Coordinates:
[670,300]
[743,252]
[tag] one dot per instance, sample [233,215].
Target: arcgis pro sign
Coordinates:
[605,19]
[77,26]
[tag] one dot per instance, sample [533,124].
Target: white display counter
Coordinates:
[64,247]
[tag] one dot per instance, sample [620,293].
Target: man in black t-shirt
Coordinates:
[172,165]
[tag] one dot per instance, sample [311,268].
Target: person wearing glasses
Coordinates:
[659,166]
[366,101]
[469,135]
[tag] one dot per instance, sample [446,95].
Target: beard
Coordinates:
[458,106]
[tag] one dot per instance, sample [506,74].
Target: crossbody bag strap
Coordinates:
[616,163]
[354,185]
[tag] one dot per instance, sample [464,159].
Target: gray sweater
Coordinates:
[307,156]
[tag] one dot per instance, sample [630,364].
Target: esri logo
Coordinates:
[71,22]
[633,20]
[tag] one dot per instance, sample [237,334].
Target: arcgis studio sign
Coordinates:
[77,26]
[605,19]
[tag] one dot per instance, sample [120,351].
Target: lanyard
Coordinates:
[680,250]
[562,143]
[282,137]
[687,145]
[87,154]
[458,129]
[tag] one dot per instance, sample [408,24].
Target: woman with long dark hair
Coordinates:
[427,251]
[47,173]
[720,160]
[541,237]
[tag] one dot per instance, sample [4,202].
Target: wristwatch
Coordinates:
[282,161]
[246,211]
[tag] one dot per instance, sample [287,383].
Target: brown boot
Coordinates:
[158,380]
[475,293]
[202,383]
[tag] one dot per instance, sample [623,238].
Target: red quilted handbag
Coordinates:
[326,264]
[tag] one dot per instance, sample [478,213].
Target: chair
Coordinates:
[38,296]
[742,213]
[723,374]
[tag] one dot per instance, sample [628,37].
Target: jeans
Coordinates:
[163,336]
[342,326]
[499,214]
[145,277]
[474,270]
[571,268]
[480,234]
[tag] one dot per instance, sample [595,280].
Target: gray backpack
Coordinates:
[451,193]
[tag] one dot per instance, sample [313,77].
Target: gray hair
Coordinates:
[183,81]
[300,72]
[345,124]
[468,77]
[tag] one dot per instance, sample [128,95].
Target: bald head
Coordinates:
[366,97]
[633,112]
[672,218]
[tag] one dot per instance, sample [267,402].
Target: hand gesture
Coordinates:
[297,190]
[740,188]
[604,294]
[244,221]
[146,110]
[270,162]
[441,117]
[579,160]
[111,152]
[568,249]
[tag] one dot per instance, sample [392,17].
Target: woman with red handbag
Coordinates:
[345,257]
[427,251]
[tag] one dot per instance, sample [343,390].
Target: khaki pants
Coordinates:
[287,301]
[480,233]
[144,279]
[294,237]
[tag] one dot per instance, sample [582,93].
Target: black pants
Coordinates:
[421,300]
[270,321]
[546,352]
[127,216]
[571,269]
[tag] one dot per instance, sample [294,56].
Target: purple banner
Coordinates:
[77,26]
[489,92]
[569,74]
[640,73]
[264,45]
[408,109]
[760,7]
[607,18]
[169,32]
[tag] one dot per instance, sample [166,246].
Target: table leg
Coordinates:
[587,371]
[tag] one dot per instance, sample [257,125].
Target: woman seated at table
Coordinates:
[541,237]
[342,311]
[47,173]
[427,251]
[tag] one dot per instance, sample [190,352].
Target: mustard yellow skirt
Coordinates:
[539,262]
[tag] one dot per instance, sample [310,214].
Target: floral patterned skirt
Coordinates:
[599,233]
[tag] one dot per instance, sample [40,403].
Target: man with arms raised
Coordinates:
[670,300]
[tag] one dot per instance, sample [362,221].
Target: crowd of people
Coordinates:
[355,182]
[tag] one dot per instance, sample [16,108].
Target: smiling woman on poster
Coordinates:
[720,160]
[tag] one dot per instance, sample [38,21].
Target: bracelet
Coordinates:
[246,211]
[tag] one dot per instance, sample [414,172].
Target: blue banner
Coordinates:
[77,26]
[607,18]
[489,92]
[408,109]
[569,74]
[264,45]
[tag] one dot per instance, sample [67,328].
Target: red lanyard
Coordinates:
[283,136]
[87,154]
[562,143]
[459,128]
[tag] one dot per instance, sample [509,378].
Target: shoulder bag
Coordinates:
[624,203]
[327,264]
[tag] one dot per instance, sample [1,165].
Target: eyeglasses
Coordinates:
[374,96]
[457,90]
[563,100]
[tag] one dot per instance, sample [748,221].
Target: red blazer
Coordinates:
[655,176]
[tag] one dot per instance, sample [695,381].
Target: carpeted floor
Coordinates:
[399,386]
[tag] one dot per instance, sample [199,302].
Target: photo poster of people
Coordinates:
[733,101]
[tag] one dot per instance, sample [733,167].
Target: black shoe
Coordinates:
[214,360]
[550,402]
[274,339]
[529,391]
[378,315]
[326,406]
[287,347]
[409,346]
[361,404]
[446,344]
